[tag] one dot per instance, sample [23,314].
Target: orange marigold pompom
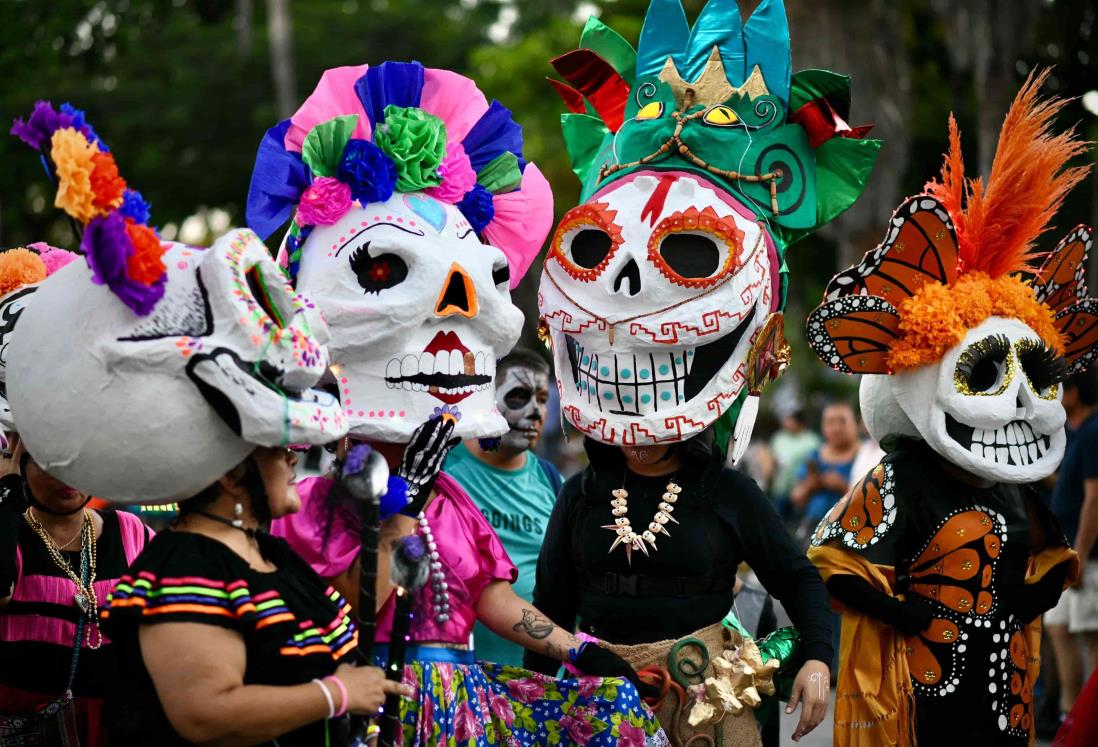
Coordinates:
[146,265]
[72,156]
[106,183]
[938,316]
[19,267]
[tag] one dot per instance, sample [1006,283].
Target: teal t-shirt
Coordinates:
[517,504]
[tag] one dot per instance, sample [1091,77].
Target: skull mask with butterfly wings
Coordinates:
[965,344]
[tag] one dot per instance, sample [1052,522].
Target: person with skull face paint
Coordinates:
[513,487]
[204,358]
[414,214]
[942,558]
[701,158]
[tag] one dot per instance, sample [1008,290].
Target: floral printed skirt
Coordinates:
[459,701]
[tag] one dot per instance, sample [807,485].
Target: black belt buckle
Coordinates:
[619,585]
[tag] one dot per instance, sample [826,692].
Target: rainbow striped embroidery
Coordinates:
[202,596]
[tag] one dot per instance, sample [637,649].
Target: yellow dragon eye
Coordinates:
[720,116]
[653,110]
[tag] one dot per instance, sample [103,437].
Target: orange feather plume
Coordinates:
[998,225]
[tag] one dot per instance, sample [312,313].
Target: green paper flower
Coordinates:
[416,141]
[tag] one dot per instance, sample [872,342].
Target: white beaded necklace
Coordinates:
[441,605]
[626,536]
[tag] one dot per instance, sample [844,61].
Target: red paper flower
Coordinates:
[107,186]
[146,264]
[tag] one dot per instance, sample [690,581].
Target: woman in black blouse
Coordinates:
[684,585]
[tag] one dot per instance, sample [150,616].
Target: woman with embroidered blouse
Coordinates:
[226,636]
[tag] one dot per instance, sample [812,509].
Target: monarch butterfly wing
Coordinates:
[1062,279]
[854,334]
[864,515]
[1078,323]
[1010,682]
[920,247]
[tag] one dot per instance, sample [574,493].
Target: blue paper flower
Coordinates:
[80,123]
[489,444]
[367,170]
[478,208]
[395,498]
[135,207]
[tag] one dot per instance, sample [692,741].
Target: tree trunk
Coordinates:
[242,22]
[280,29]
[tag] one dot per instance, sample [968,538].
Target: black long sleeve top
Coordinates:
[684,585]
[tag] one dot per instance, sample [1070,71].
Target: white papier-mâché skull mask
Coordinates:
[652,293]
[11,308]
[156,408]
[988,406]
[419,311]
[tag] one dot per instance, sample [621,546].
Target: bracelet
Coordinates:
[344,704]
[327,697]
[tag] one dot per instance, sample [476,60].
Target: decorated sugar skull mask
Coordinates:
[155,408]
[21,270]
[705,160]
[414,216]
[960,348]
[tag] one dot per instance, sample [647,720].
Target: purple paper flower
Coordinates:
[356,459]
[106,247]
[44,120]
[367,170]
[447,410]
[135,207]
[478,208]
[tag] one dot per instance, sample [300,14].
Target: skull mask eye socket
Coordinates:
[1044,369]
[586,240]
[985,368]
[695,249]
[379,273]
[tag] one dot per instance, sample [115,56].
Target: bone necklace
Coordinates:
[630,539]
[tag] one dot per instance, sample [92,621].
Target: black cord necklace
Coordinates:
[251,532]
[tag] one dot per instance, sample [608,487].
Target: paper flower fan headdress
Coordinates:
[716,100]
[973,337]
[701,160]
[123,251]
[210,354]
[414,214]
[367,132]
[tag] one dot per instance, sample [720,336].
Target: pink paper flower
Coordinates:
[579,729]
[526,690]
[325,201]
[501,707]
[457,175]
[630,736]
[52,257]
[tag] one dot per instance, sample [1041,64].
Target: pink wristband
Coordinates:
[343,704]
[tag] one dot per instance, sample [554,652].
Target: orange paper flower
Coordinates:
[19,267]
[72,156]
[146,264]
[938,316]
[106,183]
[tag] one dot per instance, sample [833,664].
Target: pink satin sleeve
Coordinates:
[304,531]
[472,557]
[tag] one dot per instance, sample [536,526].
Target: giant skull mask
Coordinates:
[991,406]
[155,408]
[651,320]
[700,167]
[414,273]
[419,309]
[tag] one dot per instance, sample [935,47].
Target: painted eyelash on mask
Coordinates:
[376,274]
[1042,365]
[995,349]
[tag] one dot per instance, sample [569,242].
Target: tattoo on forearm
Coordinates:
[535,625]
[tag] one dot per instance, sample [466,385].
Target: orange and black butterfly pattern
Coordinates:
[1078,324]
[1008,679]
[853,334]
[864,515]
[920,247]
[955,571]
[1062,279]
